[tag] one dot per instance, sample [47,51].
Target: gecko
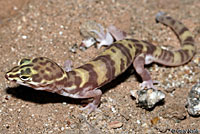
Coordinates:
[85,81]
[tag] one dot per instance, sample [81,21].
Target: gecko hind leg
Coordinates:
[96,95]
[138,64]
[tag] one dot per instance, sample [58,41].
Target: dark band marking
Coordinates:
[110,65]
[47,77]
[36,78]
[150,47]
[172,21]
[169,56]
[48,69]
[29,65]
[139,48]
[41,58]
[42,71]
[168,18]
[165,54]
[68,83]
[125,51]
[53,65]
[182,55]
[113,50]
[44,63]
[122,65]
[189,39]
[15,69]
[35,60]
[186,54]
[161,54]
[182,30]
[13,76]
[59,74]
[133,40]
[36,67]
[92,74]
[130,46]
[78,81]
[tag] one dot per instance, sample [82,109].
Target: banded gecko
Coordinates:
[84,82]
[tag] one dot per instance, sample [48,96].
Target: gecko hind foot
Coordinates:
[149,84]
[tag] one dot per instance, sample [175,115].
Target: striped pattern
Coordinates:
[181,56]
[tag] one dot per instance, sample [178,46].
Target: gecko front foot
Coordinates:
[91,107]
[148,84]
[96,95]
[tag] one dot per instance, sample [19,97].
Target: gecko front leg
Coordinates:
[96,95]
[138,64]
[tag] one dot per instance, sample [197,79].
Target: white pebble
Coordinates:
[138,122]
[60,32]
[62,128]
[24,37]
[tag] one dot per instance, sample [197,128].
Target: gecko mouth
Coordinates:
[10,77]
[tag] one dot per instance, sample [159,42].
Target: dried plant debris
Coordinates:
[148,98]
[193,100]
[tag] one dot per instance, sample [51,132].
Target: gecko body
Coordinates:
[84,82]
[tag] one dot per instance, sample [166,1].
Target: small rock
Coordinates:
[193,101]
[147,98]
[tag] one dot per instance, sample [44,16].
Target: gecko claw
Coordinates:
[91,108]
[149,84]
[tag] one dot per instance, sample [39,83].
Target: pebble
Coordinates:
[24,37]
[147,98]
[193,100]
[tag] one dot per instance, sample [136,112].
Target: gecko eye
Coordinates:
[24,78]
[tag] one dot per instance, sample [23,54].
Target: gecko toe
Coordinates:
[148,84]
[91,108]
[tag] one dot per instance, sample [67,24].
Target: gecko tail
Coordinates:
[187,50]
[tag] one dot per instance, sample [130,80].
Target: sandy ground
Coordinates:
[50,27]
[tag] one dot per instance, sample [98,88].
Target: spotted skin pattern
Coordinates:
[84,82]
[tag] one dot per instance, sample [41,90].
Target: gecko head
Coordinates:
[37,73]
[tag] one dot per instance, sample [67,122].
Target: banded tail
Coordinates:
[187,50]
